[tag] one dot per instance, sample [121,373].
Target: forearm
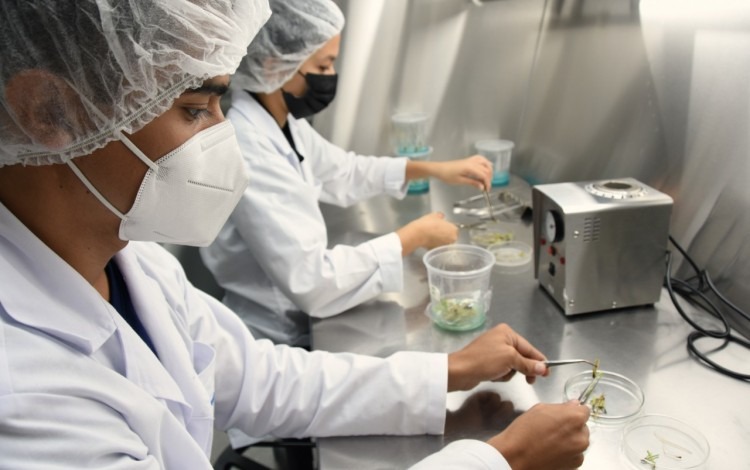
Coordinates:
[343,276]
[459,373]
[407,388]
[473,171]
[348,178]
[421,169]
[411,238]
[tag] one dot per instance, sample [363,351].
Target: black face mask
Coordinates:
[321,90]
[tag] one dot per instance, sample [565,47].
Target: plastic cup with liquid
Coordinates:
[460,289]
[498,152]
[409,133]
[419,185]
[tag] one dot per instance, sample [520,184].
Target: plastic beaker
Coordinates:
[420,185]
[460,290]
[409,133]
[498,152]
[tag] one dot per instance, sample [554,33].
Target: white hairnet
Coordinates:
[101,66]
[296,30]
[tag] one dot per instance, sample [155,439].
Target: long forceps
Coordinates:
[489,204]
[563,362]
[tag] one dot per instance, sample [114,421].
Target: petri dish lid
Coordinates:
[409,117]
[511,255]
[677,445]
[623,397]
[493,145]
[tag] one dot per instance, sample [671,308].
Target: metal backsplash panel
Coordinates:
[657,90]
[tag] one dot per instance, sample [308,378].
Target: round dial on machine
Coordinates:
[553,226]
[614,189]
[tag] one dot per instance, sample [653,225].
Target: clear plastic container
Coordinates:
[420,185]
[460,290]
[409,133]
[668,442]
[498,152]
[623,398]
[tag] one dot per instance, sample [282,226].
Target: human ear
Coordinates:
[45,107]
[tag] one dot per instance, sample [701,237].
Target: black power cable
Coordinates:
[696,294]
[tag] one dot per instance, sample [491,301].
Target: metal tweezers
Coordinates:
[489,205]
[508,201]
[584,396]
[563,362]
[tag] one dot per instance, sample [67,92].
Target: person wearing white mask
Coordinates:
[272,258]
[112,137]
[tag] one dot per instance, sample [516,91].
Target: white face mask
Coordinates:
[188,194]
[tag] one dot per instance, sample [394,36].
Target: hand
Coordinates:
[547,437]
[473,171]
[429,231]
[495,355]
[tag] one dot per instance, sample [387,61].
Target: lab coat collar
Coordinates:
[148,296]
[44,292]
[248,106]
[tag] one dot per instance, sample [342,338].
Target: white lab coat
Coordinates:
[80,389]
[272,256]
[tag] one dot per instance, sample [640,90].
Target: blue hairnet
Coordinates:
[295,31]
[104,66]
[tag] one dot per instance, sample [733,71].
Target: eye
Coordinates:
[197,113]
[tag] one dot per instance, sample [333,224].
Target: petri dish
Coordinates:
[491,233]
[623,398]
[511,257]
[676,444]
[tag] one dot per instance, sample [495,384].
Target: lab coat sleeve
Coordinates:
[347,177]
[279,218]
[263,389]
[464,455]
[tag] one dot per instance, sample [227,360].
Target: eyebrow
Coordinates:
[210,89]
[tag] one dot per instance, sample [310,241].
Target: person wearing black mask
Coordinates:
[320,91]
[272,257]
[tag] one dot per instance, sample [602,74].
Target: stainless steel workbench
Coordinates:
[645,344]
